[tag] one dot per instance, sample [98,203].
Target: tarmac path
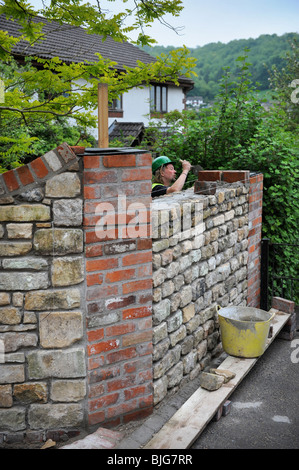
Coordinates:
[264,411]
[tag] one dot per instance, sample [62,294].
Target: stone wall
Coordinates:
[107,301]
[200,254]
[43,369]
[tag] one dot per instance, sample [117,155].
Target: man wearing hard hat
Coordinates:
[164,174]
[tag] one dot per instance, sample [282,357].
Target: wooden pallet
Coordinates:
[190,420]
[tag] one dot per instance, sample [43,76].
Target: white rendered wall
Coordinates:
[136,106]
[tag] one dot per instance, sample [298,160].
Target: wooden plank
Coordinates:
[190,420]
[103,133]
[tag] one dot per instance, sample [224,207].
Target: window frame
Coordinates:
[116,110]
[158,99]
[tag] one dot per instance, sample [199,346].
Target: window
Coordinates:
[158,97]
[116,107]
[116,104]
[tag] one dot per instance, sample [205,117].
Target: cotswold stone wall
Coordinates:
[200,254]
[42,368]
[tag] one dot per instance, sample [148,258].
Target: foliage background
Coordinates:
[264,52]
[237,132]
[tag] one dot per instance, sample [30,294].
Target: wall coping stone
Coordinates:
[30,176]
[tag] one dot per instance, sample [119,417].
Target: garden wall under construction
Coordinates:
[107,300]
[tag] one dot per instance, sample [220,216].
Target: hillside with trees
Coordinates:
[263,53]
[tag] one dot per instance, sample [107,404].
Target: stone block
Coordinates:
[161,311]
[68,390]
[6,396]
[55,416]
[13,419]
[161,349]
[58,241]
[35,264]
[167,288]
[60,329]
[10,316]
[188,312]
[189,362]
[52,160]
[186,296]
[59,363]
[177,335]
[15,357]
[25,213]
[160,389]
[174,321]
[19,230]
[210,381]
[202,350]
[67,271]
[198,335]
[14,248]
[11,373]
[17,340]
[68,212]
[17,299]
[159,332]
[63,185]
[29,317]
[159,277]
[4,298]
[54,299]
[160,245]
[187,345]
[175,375]
[27,281]
[226,374]
[171,358]
[31,392]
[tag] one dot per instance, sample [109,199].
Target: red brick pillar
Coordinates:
[254,240]
[118,249]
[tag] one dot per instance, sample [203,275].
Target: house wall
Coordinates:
[141,113]
[108,302]
[176,98]
[136,105]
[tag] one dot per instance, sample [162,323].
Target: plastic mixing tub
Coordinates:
[244,330]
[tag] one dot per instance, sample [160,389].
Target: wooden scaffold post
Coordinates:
[103,136]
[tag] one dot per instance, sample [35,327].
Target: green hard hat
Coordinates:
[160,161]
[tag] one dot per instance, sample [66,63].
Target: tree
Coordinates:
[285,83]
[237,133]
[48,90]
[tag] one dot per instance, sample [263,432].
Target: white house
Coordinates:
[73,44]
